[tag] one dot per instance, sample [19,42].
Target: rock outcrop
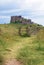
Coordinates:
[20,19]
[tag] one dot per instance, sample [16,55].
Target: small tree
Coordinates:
[40,39]
[20,31]
[23,32]
[28,31]
[0,31]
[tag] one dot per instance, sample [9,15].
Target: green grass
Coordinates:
[1,59]
[28,50]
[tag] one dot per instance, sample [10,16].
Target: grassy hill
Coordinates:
[27,50]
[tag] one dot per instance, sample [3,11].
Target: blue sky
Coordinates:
[32,9]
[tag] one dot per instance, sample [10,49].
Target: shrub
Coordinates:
[40,40]
[22,31]
[25,31]
[28,31]
[18,22]
[0,31]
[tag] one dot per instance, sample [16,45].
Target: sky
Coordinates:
[32,9]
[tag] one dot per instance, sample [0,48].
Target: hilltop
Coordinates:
[21,50]
[25,24]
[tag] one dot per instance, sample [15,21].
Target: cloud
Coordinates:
[11,11]
[33,5]
[4,17]
[4,2]
[26,4]
[33,9]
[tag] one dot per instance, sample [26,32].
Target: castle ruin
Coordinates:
[20,19]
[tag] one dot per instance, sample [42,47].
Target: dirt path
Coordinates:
[15,50]
[12,62]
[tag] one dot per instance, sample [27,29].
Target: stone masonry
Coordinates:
[21,19]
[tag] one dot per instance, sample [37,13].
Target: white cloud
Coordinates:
[11,11]
[35,6]
[39,21]
[1,17]
[4,2]
[25,4]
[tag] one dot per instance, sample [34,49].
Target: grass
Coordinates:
[34,54]
[1,59]
[28,50]
[28,57]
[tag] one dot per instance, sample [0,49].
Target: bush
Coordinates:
[40,40]
[24,31]
[40,35]
[18,22]
[28,31]
[20,30]
[0,31]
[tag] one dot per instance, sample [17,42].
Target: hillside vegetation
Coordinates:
[26,50]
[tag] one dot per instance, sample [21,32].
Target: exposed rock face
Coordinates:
[20,19]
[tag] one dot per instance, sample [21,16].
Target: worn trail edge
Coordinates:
[12,62]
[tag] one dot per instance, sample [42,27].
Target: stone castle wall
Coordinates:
[21,19]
